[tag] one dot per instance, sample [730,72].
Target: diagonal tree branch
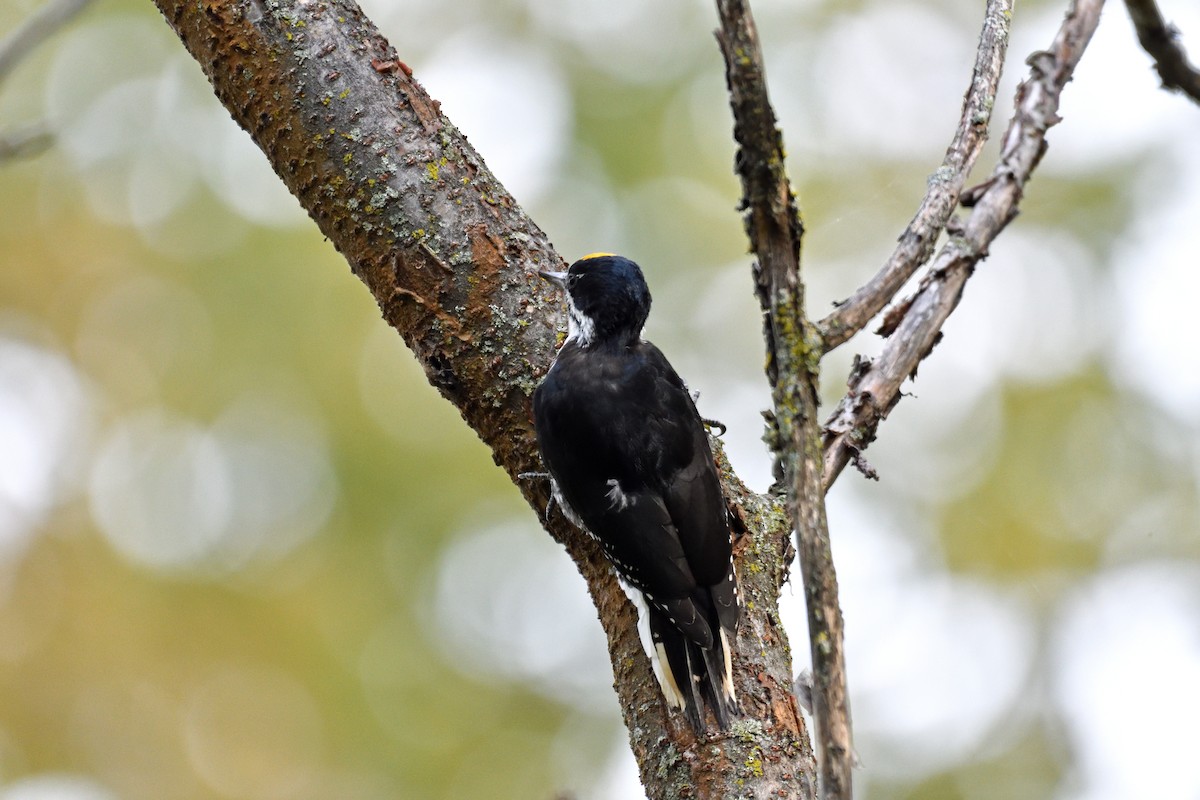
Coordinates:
[916,244]
[1161,40]
[914,327]
[451,260]
[774,228]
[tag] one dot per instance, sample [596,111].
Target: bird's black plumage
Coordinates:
[631,463]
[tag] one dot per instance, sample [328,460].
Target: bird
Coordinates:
[630,463]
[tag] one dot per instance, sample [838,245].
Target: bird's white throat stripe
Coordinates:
[580,327]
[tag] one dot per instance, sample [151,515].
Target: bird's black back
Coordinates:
[631,462]
[623,414]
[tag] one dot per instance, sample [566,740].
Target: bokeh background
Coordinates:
[247,552]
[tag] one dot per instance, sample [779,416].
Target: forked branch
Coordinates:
[916,244]
[914,327]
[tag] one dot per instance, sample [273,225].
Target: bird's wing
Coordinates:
[692,491]
[626,445]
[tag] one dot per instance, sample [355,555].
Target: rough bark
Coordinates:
[775,229]
[451,260]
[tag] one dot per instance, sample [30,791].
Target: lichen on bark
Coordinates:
[451,260]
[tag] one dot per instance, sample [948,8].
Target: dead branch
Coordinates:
[774,228]
[1160,39]
[916,244]
[914,327]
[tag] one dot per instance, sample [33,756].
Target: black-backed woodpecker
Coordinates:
[631,465]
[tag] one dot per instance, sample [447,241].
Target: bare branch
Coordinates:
[774,228]
[29,140]
[916,244]
[1160,39]
[914,327]
[38,27]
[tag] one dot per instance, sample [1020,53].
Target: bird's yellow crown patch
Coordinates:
[590,256]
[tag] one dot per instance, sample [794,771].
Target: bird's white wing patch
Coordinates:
[617,498]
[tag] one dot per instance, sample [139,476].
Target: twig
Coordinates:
[914,327]
[774,228]
[38,27]
[24,141]
[31,139]
[916,244]
[1161,40]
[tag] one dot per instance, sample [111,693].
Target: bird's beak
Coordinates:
[559,279]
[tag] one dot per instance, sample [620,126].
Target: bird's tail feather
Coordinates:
[703,675]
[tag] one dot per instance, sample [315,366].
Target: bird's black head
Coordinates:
[607,297]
